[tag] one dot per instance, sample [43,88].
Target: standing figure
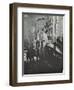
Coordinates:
[44,42]
[37,49]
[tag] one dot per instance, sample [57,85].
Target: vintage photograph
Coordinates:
[42,43]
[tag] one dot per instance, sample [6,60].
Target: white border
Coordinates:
[44,77]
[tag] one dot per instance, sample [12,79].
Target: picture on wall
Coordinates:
[40,44]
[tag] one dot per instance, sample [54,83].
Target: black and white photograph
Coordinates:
[42,43]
